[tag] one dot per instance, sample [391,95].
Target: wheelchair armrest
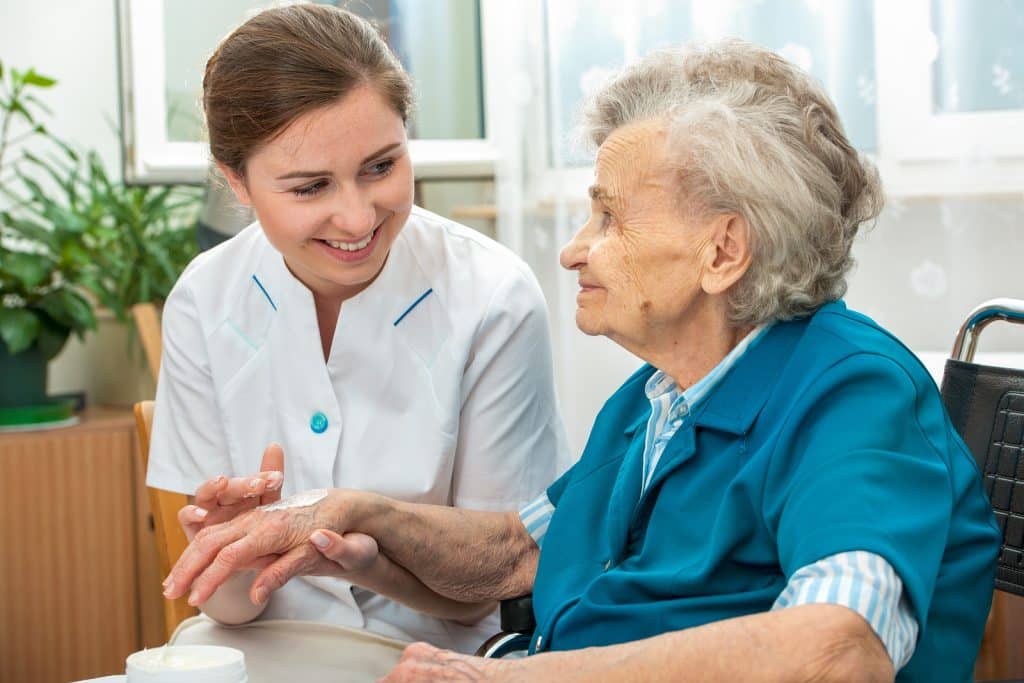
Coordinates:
[517,615]
[517,625]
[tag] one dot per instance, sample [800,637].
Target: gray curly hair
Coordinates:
[752,134]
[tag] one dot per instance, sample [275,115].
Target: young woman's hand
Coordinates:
[221,498]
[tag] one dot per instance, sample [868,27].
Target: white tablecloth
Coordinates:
[292,651]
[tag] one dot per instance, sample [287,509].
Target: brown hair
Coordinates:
[285,62]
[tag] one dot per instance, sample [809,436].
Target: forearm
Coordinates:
[391,580]
[465,555]
[820,643]
[230,604]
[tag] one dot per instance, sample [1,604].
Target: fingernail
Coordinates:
[219,479]
[253,483]
[274,479]
[261,595]
[320,539]
[250,495]
[201,513]
[193,598]
[169,588]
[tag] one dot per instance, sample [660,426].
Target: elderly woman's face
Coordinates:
[640,260]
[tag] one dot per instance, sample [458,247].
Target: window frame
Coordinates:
[150,158]
[924,153]
[919,153]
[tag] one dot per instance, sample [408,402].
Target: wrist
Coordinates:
[347,510]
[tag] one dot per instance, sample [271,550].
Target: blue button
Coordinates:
[318,423]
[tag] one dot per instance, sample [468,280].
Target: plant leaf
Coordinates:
[31,270]
[69,309]
[38,80]
[19,327]
[16,107]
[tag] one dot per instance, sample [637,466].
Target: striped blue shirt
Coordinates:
[859,580]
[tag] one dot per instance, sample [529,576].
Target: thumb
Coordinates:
[273,458]
[353,551]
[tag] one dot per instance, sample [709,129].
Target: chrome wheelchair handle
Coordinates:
[1010,310]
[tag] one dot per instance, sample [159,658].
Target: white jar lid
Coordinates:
[187,664]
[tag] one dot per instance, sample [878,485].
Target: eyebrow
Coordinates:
[599,193]
[316,174]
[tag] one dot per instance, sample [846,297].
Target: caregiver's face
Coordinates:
[639,259]
[332,191]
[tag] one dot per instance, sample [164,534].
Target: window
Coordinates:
[165,44]
[932,89]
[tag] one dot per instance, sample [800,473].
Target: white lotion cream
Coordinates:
[299,500]
[187,664]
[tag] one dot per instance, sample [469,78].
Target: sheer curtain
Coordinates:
[951,234]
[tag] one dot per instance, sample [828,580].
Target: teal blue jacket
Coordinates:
[827,436]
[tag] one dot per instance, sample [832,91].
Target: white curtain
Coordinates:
[932,257]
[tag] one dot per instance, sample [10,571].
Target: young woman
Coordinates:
[383,347]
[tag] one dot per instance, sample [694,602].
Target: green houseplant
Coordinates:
[72,238]
[136,239]
[40,300]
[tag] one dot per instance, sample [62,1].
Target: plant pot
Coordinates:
[23,374]
[109,365]
[24,377]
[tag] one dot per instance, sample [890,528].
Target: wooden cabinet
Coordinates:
[79,585]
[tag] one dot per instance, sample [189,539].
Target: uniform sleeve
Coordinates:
[511,439]
[188,444]
[854,470]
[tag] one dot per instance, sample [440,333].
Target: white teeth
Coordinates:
[352,246]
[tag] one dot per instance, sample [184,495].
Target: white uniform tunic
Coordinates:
[438,389]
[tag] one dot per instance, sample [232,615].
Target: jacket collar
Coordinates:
[739,397]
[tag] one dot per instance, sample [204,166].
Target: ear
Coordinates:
[728,254]
[237,184]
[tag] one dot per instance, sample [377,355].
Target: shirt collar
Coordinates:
[660,384]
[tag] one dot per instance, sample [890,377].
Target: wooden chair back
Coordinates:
[164,505]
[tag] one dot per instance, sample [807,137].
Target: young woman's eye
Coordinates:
[381,168]
[310,190]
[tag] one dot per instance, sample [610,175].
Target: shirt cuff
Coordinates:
[867,584]
[536,516]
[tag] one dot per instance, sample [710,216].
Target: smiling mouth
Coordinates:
[352,246]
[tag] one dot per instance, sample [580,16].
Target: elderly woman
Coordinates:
[776,495]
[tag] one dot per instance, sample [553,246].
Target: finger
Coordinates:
[272,493]
[234,557]
[297,561]
[273,465]
[191,518]
[241,488]
[225,513]
[420,662]
[206,494]
[273,458]
[353,551]
[198,555]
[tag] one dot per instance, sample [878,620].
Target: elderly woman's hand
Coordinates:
[276,538]
[221,499]
[423,663]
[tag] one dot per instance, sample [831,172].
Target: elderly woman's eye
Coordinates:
[606,219]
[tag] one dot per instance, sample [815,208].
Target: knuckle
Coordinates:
[204,538]
[229,555]
[276,526]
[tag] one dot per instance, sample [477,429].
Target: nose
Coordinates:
[574,254]
[353,212]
